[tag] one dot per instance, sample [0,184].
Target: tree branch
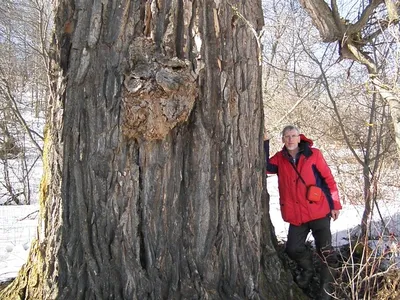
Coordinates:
[362,21]
[323,19]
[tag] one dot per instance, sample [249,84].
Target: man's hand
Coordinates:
[335,214]
[267,135]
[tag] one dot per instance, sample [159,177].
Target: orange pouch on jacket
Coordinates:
[314,193]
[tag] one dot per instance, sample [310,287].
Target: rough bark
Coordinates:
[154,186]
[333,28]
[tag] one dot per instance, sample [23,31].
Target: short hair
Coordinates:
[288,128]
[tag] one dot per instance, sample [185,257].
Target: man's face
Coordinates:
[291,139]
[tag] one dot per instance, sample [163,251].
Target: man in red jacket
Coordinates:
[299,166]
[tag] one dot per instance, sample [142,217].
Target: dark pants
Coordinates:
[296,248]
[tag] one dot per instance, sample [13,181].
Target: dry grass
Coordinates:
[367,273]
[362,273]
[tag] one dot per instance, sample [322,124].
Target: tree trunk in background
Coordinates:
[154,184]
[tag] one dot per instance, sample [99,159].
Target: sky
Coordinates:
[18,228]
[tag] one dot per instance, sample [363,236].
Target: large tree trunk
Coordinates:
[155,186]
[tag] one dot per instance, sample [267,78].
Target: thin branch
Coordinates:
[18,114]
[335,108]
[277,125]
[367,12]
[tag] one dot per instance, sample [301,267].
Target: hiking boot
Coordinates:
[326,291]
[327,280]
[304,278]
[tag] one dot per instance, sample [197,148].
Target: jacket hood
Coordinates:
[304,139]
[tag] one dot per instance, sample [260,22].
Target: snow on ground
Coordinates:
[18,226]
[17,230]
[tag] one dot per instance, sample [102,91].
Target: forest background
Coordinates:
[305,82]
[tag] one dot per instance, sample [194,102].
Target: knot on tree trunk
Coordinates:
[158,92]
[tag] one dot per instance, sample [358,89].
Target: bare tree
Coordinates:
[289,79]
[25,28]
[366,134]
[154,183]
[374,26]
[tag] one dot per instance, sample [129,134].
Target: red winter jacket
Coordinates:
[295,208]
